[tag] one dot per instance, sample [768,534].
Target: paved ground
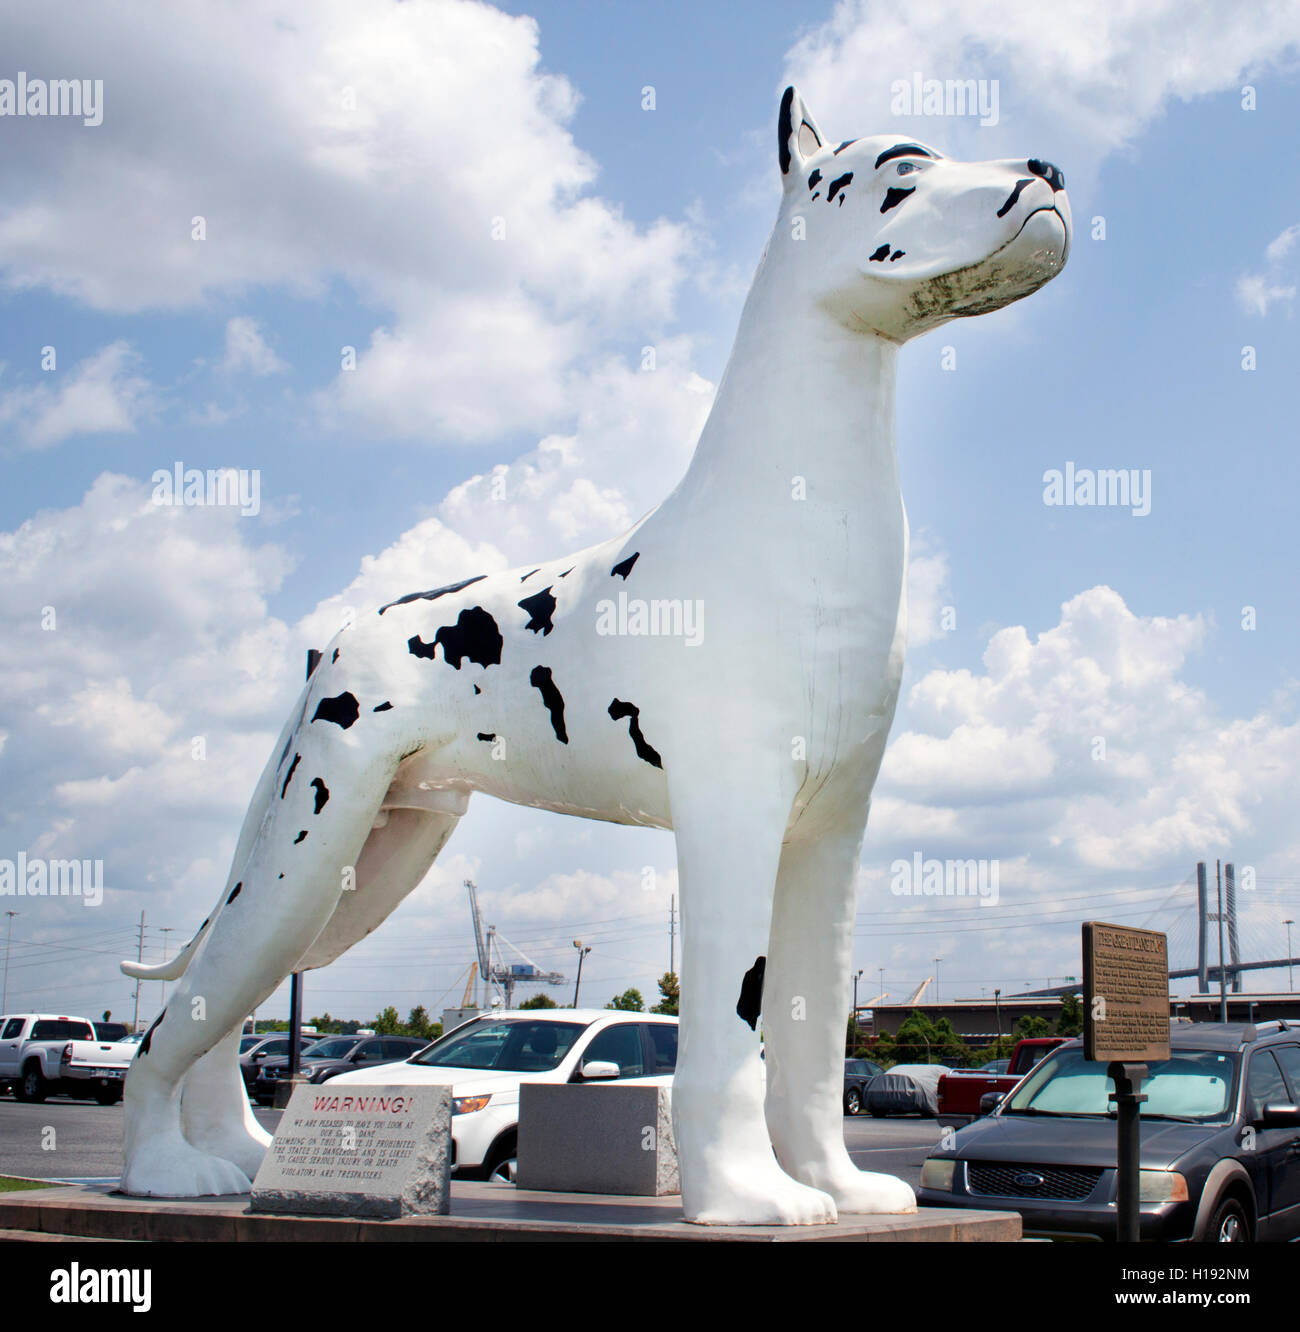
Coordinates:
[64,1139]
[86,1140]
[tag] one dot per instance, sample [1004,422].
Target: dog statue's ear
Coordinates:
[797,136]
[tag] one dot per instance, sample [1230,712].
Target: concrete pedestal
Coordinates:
[483,1212]
[590,1138]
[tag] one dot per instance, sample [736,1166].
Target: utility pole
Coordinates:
[997,1006]
[4,992]
[1290,983]
[139,957]
[672,934]
[582,952]
[937,960]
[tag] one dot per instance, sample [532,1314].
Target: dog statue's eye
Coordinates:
[905,167]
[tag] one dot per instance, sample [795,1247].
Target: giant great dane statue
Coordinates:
[728,669]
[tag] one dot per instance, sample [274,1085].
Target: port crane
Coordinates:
[499,977]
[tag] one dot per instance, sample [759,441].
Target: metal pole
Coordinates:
[295,1021]
[4,992]
[1127,1098]
[997,1005]
[1290,983]
[672,936]
[937,960]
[1223,980]
[165,930]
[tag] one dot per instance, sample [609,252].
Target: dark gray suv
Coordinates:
[334,1055]
[1220,1134]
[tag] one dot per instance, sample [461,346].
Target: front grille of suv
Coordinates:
[992,1179]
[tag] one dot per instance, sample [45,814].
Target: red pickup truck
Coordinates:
[960,1093]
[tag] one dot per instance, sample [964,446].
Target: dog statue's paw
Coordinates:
[859,1191]
[169,1167]
[765,1196]
[243,1145]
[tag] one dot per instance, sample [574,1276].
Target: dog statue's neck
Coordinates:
[802,396]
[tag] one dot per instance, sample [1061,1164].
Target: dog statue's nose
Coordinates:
[1053,175]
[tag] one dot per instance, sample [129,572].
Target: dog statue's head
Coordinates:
[893,238]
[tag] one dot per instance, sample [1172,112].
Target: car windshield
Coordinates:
[1191,1085]
[330,1049]
[518,1045]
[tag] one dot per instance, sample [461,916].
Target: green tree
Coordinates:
[388,1023]
[629,1001]
[1029,1026]
[539,1001]
[1070,1022]
[670,994]
[922,1041]
[417,1023]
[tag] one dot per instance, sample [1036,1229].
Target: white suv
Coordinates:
[485,1060]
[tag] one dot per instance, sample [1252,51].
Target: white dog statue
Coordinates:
[727,669]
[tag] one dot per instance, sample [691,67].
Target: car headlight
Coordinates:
[937,1174]
[1161,1186]
[466,1105]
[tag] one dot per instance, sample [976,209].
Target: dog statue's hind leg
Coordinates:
[807,1003]
[215,1112]
[216,1116]
[310,835]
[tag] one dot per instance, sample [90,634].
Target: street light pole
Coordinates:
[937,960]
[1290,983]
[165,930]
[4,993]
[582,952]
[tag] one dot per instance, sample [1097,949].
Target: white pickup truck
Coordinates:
[47,1054]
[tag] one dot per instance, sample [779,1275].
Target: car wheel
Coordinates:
[108,1095]
[1230,1225]
[31,1088]
[502,1162]
[853,1101]
[504,1171]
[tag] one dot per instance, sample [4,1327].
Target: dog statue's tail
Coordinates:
[172,969]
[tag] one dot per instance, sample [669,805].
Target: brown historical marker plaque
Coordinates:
[1125,994]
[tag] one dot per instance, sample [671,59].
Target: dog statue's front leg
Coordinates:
[728,848]
[808,1002]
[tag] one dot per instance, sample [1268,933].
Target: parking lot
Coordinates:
[86,1140]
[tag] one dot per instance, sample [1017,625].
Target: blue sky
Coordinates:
[626,228]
